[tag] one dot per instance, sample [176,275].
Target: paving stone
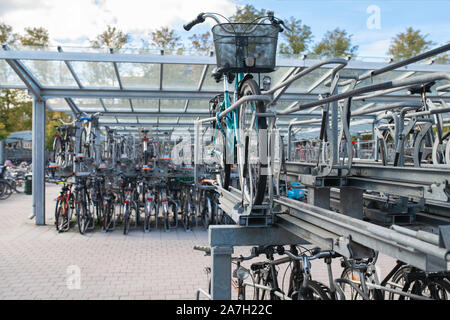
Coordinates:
[38,263]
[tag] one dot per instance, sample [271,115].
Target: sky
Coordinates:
[372,24]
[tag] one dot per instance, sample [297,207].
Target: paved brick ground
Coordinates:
[38,263]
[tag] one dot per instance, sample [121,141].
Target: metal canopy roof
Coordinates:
[165,91]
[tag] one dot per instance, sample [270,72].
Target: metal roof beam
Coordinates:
[179,59]
[72,71]
[26,76]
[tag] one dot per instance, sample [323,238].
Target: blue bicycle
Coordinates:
[238,115]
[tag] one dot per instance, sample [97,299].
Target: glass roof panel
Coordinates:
[210,83]
[181,76]
[147,120]
[167,120]
[198,105]
[88,105]
[107,119]
[139,75]
[126,119]
[7,75]
[186,120]
[96,74]
[58,104]
[145,105]
[51,73]
[117,104]
[173,105]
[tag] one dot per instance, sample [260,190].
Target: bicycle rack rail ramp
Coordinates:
[302,223]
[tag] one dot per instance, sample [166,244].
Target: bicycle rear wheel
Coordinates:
[251,153]
[60,217]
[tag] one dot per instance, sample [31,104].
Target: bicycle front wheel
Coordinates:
[252,151]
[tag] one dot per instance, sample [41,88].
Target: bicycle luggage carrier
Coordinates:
[245,47]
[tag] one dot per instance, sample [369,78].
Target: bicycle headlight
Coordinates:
[267,81]
[241,273]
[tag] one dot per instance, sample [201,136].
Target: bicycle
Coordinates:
[402,282]
[63,145]
[241,49]
[64,207]
[301,286]
[85,220]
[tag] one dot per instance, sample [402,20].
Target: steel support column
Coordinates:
[221,273]
[222,239]
[319,197]
[38,160]
[351,202]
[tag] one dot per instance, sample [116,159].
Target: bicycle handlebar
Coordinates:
[319,255]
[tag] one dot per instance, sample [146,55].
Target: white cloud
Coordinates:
[374,49]
[76,21]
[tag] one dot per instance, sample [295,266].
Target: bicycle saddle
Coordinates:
[422,88]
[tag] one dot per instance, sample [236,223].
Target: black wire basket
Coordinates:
[245,47]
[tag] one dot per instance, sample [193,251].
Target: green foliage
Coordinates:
[247,13]
[408,44]
[15,112]
[443,58]
[202,43]
[298,37]
[6,34]
[35,37]
[110,38]
[166,39]
[334,44]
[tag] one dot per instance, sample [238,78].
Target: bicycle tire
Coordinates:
[58,157]
[223,177]
[59,217]
[7,191]
[439,289]
[316,291]
[399,282]
[254,190]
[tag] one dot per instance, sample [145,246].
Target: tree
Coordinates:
[408,44]
[247,13]
[298,37]
[110,38]
[443,58]
[35,37]
[15,112]
[166,39]
[15,105]
[202,43]
[6,34]
[336,43]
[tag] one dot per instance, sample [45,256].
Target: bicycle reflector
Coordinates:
[250,62]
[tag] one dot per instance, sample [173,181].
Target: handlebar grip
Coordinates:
[202,248]
[198,20]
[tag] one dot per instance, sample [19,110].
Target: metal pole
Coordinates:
[2,152]
[38,160]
